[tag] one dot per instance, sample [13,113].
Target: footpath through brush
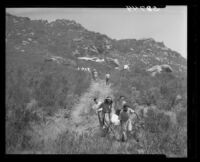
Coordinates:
[82,119]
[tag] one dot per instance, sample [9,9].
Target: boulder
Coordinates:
[159,68]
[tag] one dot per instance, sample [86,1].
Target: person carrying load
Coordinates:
[105,110]
[97,104]
[125,121]
[98,110]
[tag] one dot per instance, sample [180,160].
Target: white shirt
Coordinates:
[107,75]
[130,110]
[96,106]
[126,66]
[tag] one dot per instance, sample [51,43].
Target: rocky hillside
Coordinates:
[70,41]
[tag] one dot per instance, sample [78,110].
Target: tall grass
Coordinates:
[35,93]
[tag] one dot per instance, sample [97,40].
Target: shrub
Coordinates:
[182,118]
[162,136]
[156,122]
[49,86]
[18,116]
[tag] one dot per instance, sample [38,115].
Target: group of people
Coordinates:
[95,76]
[105,110]
[107,113]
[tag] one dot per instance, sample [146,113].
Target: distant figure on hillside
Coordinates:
[107,78]
[94,74]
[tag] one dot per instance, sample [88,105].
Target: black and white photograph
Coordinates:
[96,80]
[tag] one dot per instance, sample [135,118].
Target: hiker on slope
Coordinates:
[105,110]
[94,74]
[107,78]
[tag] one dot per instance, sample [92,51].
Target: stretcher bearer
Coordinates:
[104,110]
[125,122]
[98,110]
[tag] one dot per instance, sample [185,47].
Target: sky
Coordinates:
[168,25]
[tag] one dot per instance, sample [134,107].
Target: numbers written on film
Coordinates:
[142,8]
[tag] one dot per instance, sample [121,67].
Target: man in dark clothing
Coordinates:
[105,109]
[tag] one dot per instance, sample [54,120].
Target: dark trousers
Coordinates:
[107,80]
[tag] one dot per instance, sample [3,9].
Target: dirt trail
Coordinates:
[83,119]
[96,89]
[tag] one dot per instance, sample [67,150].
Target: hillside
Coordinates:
[70,40]
[49,84]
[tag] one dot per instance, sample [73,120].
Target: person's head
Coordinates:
[108,100]
[124,102]
[95,100]
[125,108]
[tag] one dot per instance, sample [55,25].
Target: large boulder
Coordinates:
[159,68]
[113,62]
[166,68]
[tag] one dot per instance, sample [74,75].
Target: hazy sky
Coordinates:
[168,25]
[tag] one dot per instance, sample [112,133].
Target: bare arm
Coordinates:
[131,110]
[99,108]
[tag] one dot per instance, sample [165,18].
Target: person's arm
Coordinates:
[100,107]
[131,110]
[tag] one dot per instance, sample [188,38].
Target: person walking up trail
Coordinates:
[107,78]
[94,74]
